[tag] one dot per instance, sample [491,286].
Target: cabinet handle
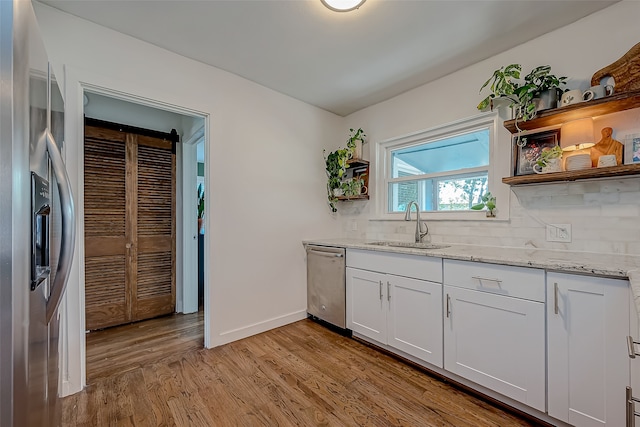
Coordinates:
[631,348]
[487,279]
[380,289]
[555,298]
[388,291]
[448,305]
[631,409]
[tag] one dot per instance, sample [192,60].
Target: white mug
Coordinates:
[597,91]
[571,97]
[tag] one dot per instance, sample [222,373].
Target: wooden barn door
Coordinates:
[129,224]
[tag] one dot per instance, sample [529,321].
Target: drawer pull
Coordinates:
[448,305]
[631,408]
[487,279]
[555,298]
[631,348]
[388,291]
[380,289]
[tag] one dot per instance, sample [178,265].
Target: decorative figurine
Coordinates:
[606,145]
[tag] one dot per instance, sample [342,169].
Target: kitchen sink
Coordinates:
[412,245]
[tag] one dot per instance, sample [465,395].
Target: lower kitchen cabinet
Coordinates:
[494,336]
[588,362]
[401,312]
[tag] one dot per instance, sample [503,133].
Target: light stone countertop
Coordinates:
[607,265]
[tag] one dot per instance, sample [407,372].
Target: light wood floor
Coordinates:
[298,375]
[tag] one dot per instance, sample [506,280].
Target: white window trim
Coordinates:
[499,165]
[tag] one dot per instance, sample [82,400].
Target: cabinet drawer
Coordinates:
[518,282]
[414,266]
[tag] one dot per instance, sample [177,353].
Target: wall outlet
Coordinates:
[354,225]
[559,233]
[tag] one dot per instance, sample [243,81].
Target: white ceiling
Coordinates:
[341,62]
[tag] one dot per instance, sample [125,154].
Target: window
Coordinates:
[444,170]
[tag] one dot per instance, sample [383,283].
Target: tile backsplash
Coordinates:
[604,216]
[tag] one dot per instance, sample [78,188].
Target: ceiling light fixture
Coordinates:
[342,5]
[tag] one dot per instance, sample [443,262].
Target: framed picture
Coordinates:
[632,149]
[527,150]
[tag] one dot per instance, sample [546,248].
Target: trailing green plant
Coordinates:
[548,154]
[542,79]
[537,81]
[353,187]
[336,164]
[336,167]
[521,95]
[487,201]
[200,201]
[502,85]
[356,135]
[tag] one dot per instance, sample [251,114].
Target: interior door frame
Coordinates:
[72,337]
[188,301]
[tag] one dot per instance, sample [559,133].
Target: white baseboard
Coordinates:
[257,328]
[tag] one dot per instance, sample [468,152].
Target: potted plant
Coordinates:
[487,201]
[200,207]
[336,167]
[540,91]
[355,142]
[502,86]
[549,160]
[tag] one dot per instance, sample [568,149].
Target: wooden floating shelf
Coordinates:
[598,107]
[610,172]
[362,197]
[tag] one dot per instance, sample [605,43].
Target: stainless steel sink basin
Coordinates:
[409,245]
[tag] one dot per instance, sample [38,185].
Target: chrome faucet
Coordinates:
[407,217]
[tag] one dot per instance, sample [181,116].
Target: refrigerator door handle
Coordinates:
[68,238]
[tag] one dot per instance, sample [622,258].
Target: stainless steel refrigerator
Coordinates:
[37,228]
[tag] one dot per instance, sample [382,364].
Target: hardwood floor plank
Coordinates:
[299,375]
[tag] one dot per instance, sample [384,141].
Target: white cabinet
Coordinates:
[588,363]
[494,328]
[634,355]
[402,312]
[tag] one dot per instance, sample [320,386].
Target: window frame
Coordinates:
[382,163]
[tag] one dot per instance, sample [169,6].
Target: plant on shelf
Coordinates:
[353,187]
[540,91]
[548,154]
[336,164]
[336,167]
[523,97]
[487,201]
[355,142]
[502,86]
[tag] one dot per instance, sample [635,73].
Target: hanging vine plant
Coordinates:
[336,167]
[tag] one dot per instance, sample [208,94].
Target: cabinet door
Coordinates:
[367,304]
[587,321]
[415,317]
[497,342]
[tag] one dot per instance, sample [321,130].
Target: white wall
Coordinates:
[264,172]
[603,214]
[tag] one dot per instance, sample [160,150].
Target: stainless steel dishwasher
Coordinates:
[326,289]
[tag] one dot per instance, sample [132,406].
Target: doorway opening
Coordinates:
[166,278]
